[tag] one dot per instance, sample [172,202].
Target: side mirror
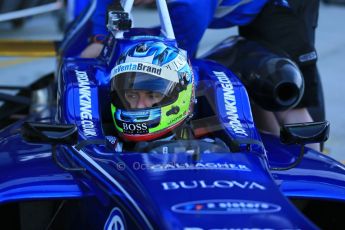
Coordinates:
[53,134]
[305,133]
[49,133]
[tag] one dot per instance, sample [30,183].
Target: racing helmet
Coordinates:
[152,91]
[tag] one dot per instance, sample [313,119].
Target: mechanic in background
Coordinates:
[190,19]
[287,24]
[290,25]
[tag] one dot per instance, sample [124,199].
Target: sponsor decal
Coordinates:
[88,126]
[172,121]
[225,206]
[202,184]
[199,166]
[115,221]
[178,63]
[140,114]
[308,57]
[230,103]
[137,67]
[135,128]
[148,68]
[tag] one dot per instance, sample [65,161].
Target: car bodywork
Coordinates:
[88,185]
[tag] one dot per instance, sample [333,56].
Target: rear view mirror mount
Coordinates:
[303,133]
[54,134]
[36,132]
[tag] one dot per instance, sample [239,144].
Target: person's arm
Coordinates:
[190,19]
[99,17]
[99,30]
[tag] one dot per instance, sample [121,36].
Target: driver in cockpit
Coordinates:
[152,91]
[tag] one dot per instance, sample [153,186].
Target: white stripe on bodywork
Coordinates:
[221,11]
[117,184]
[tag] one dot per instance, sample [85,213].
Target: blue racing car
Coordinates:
[63,166]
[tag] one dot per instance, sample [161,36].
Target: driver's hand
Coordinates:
[92,50]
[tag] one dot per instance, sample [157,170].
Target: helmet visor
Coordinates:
[136,90]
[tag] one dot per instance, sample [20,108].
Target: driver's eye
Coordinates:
[131,96]
[155,96]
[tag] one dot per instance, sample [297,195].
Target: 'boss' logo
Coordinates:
[135,128]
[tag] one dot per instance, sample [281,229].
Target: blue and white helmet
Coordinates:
[152,91]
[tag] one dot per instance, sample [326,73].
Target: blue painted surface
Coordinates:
[318,176]
[28,172]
